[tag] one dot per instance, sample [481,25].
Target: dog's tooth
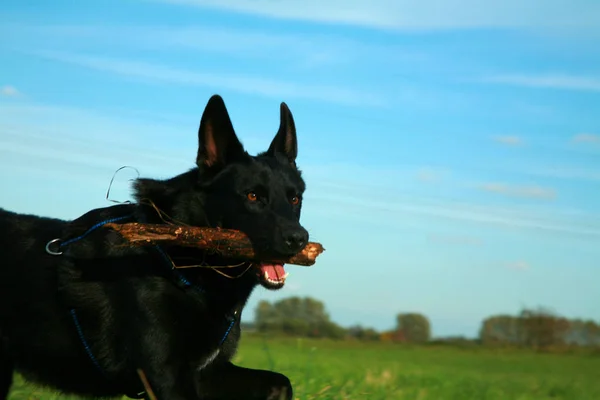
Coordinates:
[285,276]
[274,281]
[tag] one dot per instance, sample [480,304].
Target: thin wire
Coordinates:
[112,180]
[213,267]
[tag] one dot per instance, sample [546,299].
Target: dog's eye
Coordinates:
[252,196]
[295,200]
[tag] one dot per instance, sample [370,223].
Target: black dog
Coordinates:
[84,313]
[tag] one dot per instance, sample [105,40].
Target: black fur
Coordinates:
[132,308]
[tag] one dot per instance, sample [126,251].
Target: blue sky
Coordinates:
[451,151]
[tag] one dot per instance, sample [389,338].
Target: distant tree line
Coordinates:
[539,329]
[532,328]
[297,316]
[307,317]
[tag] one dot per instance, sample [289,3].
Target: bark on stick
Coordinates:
[229,243]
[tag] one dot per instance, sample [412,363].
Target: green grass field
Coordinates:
[321,369]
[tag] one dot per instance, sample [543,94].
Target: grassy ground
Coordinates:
[346,370]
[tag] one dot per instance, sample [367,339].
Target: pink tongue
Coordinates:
[274,271]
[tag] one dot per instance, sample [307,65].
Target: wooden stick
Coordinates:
[146,384]
[229,243]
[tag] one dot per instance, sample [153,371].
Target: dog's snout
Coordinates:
[296,240]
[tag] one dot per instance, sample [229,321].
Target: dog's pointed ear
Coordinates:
[217,142]
[285,141]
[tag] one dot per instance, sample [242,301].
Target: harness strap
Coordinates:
[88,350]
[62,244]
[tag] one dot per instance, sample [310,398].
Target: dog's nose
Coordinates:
[296,240]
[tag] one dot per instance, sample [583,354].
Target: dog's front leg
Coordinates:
[228,382]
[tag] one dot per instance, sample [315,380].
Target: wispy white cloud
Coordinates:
[456,240]
[587,138]
[508,140]
[518,265]
[156,73]
[547,81]
[369,209]
[308,65]
[591,173]
[345,200]
[422,15]
[308,50]
[519,191]
[431,175]
[52,134]
[9,91]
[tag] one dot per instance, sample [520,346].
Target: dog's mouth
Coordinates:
[271,276]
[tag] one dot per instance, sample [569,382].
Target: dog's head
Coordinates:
[259,195]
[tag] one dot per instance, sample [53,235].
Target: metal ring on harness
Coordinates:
[51,252]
